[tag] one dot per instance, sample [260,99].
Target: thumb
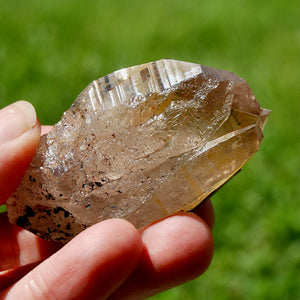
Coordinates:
[19,137]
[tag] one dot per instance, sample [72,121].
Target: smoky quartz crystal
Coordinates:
[140,143]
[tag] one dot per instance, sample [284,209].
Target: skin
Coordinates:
[111,259]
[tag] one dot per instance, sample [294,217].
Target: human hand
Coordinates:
[111,259]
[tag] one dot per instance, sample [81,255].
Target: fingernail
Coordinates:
[16,119]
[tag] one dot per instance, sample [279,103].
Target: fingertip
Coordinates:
[16,119]
[206,212]
[110,250]
[19,137]
[176,249]
[189,241]
[121,236]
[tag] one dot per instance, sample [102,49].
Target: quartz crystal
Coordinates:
[140,143]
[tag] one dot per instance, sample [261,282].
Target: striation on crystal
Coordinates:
[140,143]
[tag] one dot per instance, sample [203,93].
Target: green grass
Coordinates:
[49,51]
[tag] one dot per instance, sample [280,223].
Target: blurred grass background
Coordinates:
[50,51]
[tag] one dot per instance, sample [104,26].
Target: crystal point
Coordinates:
[140,143]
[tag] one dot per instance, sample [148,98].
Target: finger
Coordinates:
[10,276]
[206,212]
[19,137]
[19,247]
[176,249]
[91,266]
[45,129]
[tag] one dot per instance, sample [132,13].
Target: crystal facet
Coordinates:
[140,143]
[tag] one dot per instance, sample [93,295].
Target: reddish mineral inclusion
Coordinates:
[140,143]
